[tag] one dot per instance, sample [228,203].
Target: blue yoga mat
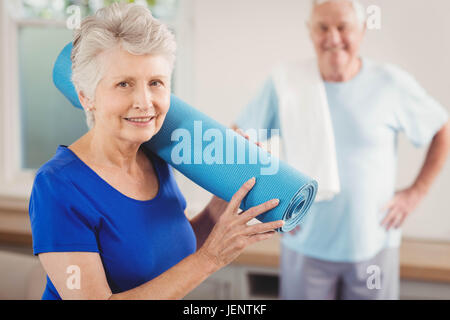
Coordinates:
[216,158]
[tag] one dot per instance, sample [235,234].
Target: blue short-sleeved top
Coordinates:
[367,112]
[73,209]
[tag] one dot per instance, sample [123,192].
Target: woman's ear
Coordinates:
[87,103]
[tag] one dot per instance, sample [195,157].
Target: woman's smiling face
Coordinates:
[133,97]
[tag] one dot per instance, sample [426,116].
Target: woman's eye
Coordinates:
[123,84]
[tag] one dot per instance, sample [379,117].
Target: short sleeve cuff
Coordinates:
[65,248]
[425,138]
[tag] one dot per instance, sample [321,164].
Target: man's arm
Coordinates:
[405,201]
[435,159]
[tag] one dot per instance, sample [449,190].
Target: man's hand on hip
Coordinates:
[404,202]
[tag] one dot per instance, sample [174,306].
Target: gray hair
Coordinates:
[132,27]
[357,6]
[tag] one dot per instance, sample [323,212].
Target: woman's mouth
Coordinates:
[140,121]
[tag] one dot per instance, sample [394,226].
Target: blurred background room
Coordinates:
[226,50]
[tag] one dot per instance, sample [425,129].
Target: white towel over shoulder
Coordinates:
[306,127]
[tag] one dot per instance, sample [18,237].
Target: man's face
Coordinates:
[336,34]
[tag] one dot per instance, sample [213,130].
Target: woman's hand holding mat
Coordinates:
[231,234]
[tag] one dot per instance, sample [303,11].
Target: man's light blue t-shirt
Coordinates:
[367,114]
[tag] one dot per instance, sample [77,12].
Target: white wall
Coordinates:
[235,43]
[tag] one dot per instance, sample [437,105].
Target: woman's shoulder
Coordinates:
[59,166]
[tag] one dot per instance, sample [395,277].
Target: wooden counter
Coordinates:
[419,259]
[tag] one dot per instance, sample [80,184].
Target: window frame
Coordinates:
[14,181]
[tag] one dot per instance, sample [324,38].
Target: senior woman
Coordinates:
[107,216]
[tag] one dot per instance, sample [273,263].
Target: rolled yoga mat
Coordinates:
[216,158]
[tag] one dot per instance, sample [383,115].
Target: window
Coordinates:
[47,117]
[34,116]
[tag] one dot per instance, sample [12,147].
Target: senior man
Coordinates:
[352,237]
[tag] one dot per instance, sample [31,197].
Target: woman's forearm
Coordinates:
[202,224]
[175,283]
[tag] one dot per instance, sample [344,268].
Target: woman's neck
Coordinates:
[108,151]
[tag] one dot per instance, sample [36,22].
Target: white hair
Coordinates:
[131,26]
[357,6]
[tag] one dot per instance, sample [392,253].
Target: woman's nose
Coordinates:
[143,98]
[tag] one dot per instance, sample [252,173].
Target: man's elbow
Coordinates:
[442,137]
[445,132]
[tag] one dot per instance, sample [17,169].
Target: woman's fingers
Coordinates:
[232,234]
[253,212]
[237,198]
[263,227]
[260,236]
